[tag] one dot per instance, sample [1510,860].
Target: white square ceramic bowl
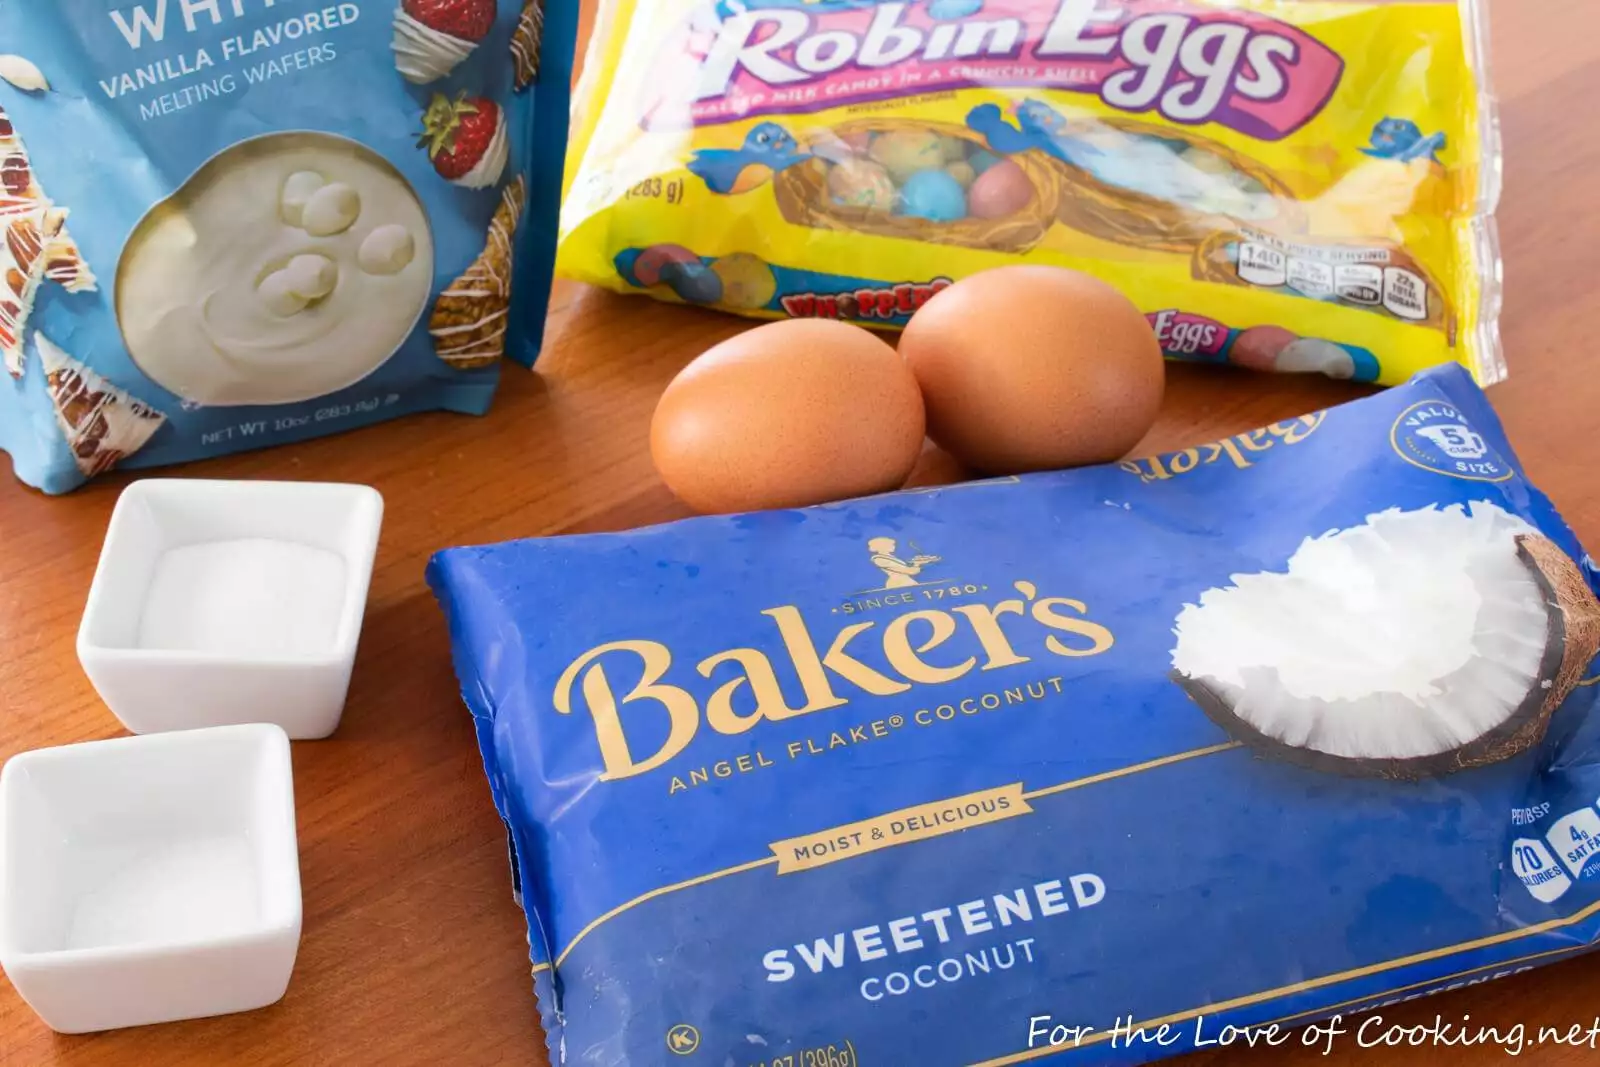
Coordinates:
[149,879]
[290,665]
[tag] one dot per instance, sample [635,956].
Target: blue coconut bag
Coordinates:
[771,804]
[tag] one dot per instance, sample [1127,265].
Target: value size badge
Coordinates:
[1436,436]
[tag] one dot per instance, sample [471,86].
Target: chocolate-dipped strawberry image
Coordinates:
[434,37]
[466,140]
[1416,645]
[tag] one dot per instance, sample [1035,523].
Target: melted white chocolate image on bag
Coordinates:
[288,267]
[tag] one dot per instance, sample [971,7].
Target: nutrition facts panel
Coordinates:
[1362,277]
[1576,839]
[1537,869]
[1569,852]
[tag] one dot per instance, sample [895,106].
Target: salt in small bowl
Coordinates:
[220,602]
[149,879]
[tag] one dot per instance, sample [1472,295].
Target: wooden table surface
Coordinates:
[413,952]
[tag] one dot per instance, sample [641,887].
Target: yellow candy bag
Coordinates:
[1289,185]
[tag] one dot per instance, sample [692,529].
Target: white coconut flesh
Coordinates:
[1411,635]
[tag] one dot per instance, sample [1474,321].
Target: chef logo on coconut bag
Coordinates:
[647,706]
[1190,64]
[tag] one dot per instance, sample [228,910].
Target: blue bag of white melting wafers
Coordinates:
[227,224]
[1252,734]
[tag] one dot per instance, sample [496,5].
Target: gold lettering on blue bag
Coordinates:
[906,644]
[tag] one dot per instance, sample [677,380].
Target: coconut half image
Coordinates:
[1415,645]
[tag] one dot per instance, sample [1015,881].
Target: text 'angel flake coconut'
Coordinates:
[1417,644]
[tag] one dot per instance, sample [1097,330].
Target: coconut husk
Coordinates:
[525,43]
[1572,641]
[803,198]
[1572,603]
[468,324]
[1212,262]
[1125,217]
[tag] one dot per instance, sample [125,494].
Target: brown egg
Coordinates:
[1035,368]
[789,414]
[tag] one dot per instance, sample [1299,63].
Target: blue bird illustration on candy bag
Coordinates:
[1039,126]
[1402,140]
[767,150]
[1140,163]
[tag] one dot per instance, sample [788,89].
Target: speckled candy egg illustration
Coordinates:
[1258,347]
[649,264]
[982,160]
[935,196]
[1312,355]
[747,282]
[695,283]
[1001,191]
[906,152]
[861,183]
[954,9]
[859,141]
[963,173]
[1208,163]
